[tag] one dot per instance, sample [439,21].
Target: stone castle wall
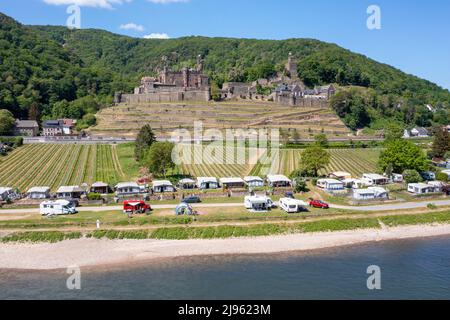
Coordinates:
[302,102]
[168,96]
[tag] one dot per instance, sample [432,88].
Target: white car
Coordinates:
[56,208]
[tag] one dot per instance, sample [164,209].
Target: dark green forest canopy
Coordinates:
[46,64]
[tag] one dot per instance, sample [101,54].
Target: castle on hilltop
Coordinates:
[190,84]
[171,86]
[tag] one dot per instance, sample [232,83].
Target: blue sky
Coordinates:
[413,36]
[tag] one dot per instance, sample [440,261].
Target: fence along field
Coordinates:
[60,165]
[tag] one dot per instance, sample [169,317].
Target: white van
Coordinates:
[292,205]
[56,208]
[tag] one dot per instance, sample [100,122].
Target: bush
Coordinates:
[412,176]
[442,177]
[94,196]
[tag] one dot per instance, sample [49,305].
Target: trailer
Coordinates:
[258,203]
[292,205]
[57,208]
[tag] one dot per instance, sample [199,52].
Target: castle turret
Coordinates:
[291,67]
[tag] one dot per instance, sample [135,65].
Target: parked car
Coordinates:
[136,206]
[319,204]
[192,199]
[289,195]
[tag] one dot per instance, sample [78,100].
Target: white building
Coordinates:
[420,188]
[206,183]
[340,175]
[330,184]
[186,184]
[375,179]
[279,181]
[69,192]
[397,178]
[7,193]
[254,182]
[38,193]
[128,189]
[370,193]
[162,186]
[230,183]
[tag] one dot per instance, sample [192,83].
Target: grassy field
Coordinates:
[234,230]
[61,165]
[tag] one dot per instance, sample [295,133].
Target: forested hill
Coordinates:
[45,64]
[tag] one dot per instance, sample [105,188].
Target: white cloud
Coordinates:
[107,4]
[157,36]
[132,26]
[167,1]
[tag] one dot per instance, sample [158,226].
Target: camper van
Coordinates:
[258,203]
[292,205]
[56,208]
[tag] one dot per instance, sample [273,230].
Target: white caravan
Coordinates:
[292,205]
[258,203]
[56,208]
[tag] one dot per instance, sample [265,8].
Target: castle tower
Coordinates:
[291,67]
[200,63]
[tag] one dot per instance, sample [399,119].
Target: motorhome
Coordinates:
[56,208]
[292,205]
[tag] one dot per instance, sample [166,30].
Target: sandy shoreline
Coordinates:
[92,252]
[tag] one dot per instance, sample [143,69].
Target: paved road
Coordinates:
[386,207]
[119,208]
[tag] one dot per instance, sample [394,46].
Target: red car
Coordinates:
[318,204]
[136,206]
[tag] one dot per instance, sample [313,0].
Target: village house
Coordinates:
[207,183]
[374,179]
[124,189]
[100,188]
[330,184]
[278,181]
[232,183]
[162,186]
[7,193]
[420,132]
[60,127]
[69,192]
[187,184]
[38,193]
[26,128]
[254,182]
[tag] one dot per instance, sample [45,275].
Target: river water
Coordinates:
[410,269]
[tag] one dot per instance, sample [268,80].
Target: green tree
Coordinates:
[321,140]
[440,176]
[144,140]
[441,143]
[313,159]
[300,185]
[7,122]
[158,158]
[402,155]
[412,176]
[393,131]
